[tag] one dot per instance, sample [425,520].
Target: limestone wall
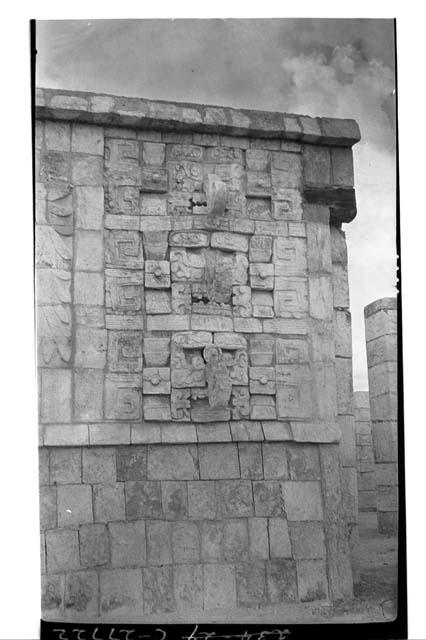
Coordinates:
[381,337]
[197,438]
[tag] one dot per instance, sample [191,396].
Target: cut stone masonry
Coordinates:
[193,320]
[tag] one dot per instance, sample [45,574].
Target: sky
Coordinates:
[318,67]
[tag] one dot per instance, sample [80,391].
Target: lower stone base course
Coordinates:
[132,532]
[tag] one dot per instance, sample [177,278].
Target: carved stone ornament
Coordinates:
[219,381]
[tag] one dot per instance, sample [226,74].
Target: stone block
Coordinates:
[282,581]
[218,461]
[62,551]
[250,454]
[90,348]
[175,499]
[234,498]
[263,408]
[246,430]
[324,391]
[261,275]
[303,462]
[128,544]
[87,139]
[202,500]
[342,333]
[387,522]
[210,323]
[74,505]
[382,349]
[108,501]
[153,153]
[211,540]
[157,408]
[342,168]
[156,380]
[52,597]
[168,462]
[57,136]
[235,540]
[347,443]
[47,497]
[88,394]
[158,590]
[131,463]
[258,538]
[62,435]
[311,580]
[275,465]
[89,250]
[279,538]
[145,433]
[188,587]
[384,407]
[55,383]
[87,171]
[215,432]
[123,249]
[268,500]
[65,465]
[321,297]
[387,474]
[260,249]
[159,542]
[89,316]
[143,500]
[185,542]
[94,545]
[219,587]
[367,500]
[247,325]
[229,241]
[290,301]
[43,465]
[88,288]
[123,398]
[340,286]
[99,465]
[251,584]
[89,208]
[121,592]
[170,322]
[387,498]
[307,540]
[317,164]
[302,500]
[81,595]
[385,439]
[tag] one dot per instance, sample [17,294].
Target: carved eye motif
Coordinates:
[155,380]
[158,272]
[263,380]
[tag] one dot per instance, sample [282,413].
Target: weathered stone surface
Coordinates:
[219,586]
[275,461]
[234,498]
[188,587]
[158,590]
[88,394]
[65,466]
[94,545]
[143,500]
[235,540]
[281,581]
[108,502]
[202,500]
[121,592]
[128,544]
[47,507]
[251,464]
[55,383]
[303,462]
[251,584]
[81,595]
[99,465]
[175,500]
[218,461]
[268,499]
[279,539]
[185,542]
[311,580]
[302,500]
[159,542]
[173,462]
[74,505]
[62,550]
[307,540]
[52,596]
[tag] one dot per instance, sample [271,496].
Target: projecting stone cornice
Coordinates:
[103,109]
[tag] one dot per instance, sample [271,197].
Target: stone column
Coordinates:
[381,337]
[367,484]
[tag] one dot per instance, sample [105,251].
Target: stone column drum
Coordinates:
[197,441]
[366,467]
[381,337]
